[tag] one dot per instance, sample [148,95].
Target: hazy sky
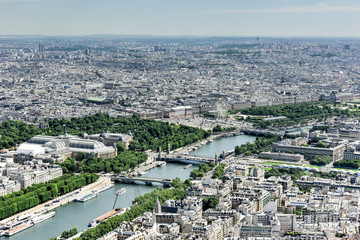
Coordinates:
[339,18]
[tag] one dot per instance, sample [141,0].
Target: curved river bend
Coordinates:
[78,215]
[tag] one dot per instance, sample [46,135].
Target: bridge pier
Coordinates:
[148,183]
[166,184]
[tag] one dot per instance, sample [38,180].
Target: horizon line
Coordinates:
[175,36]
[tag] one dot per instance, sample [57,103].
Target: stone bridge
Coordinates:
[147,180]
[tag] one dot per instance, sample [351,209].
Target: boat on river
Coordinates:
[87,197]
[161,164]
[187,166]
[121,191]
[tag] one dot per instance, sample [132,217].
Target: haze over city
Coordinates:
[329,18]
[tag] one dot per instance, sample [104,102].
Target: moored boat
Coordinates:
[106,187]
[42,217]
[17,229]
[110,214]
[142,173]
[87,197]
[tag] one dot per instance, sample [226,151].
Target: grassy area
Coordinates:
[348,169]
[267,168]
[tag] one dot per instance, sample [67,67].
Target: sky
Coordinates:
[279,18]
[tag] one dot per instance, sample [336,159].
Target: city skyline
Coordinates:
[276,18]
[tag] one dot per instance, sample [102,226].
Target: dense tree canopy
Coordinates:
[210,202]
[148,134]
[16,132]
[296,113]
[200,172]
[348,163]
[124,161]
[293,172]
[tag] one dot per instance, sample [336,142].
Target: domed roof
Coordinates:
[86,144]
[57,145]
[40,139]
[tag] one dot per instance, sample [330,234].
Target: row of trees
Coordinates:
[219,128]
[348,163]
[257,147]
[321,160]
[29,197]
[141,204]
[200,172]
[124,161]
[219,171]
[67,234]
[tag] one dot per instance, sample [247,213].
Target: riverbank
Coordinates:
[61,200]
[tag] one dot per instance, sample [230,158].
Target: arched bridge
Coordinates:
[146,180]
[186,159]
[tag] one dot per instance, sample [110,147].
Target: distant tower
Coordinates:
[168,148]
[157,207]
[216,159]
[258,40]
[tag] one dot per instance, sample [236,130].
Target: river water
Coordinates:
[76,214]
[220,144]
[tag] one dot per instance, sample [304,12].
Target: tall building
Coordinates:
[41,47]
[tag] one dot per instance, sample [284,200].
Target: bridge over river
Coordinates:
[259,132]
[147,180]
[185,159]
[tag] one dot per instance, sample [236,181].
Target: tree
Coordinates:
[321,145]
[176,183]
[120,147]
[217,128]
[210,202]
[80,156]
